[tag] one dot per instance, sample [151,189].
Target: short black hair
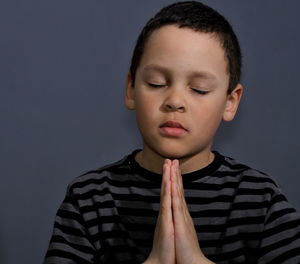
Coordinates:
[201,18]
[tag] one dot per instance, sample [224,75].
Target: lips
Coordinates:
[173,124]
[172,129]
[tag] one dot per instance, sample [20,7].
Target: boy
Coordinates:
[176,201]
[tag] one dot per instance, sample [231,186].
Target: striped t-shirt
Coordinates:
[240,215]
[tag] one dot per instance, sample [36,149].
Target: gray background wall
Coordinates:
[62,72]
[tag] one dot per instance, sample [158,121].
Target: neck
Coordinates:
[154,162]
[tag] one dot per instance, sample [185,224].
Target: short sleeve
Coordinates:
[281,236]
[70,242]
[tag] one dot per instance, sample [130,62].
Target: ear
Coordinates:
[232,103]
[129,96]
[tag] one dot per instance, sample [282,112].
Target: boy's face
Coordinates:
[182,77]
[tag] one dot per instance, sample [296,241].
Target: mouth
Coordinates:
[173,124]
[172,129]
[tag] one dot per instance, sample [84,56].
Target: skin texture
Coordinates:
[182,61]
[178,63]
[175,238]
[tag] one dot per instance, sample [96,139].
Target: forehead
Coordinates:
[183,50]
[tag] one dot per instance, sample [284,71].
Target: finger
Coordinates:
[163,250]
[178,179]
[180,184]
[180,209]
[177,204]
[179,176]
[181,193]
[165,177]
[166,202]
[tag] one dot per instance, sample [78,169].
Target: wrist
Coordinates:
[203,260]
[147,261]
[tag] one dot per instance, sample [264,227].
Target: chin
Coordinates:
[177,152]
[171,153]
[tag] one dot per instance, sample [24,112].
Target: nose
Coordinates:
[174,102]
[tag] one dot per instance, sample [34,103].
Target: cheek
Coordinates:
[209,113]
[143,103]
[146,108]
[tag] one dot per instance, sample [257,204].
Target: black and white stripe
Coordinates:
[240,215]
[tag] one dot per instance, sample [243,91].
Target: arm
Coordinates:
[163,250]
[281,236]
[175,228]
[70,242]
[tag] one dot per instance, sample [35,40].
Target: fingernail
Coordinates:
[176,163]
[174,168]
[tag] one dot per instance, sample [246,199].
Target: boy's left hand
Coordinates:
[187,248]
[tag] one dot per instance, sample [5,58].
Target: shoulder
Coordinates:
[248,185]
[246,175]
[257,190]
[99,178]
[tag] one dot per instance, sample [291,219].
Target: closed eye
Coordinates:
[156,85]
[199,91]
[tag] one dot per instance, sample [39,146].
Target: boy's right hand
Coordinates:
[163,250]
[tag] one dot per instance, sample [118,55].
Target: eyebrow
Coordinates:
[199,74]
